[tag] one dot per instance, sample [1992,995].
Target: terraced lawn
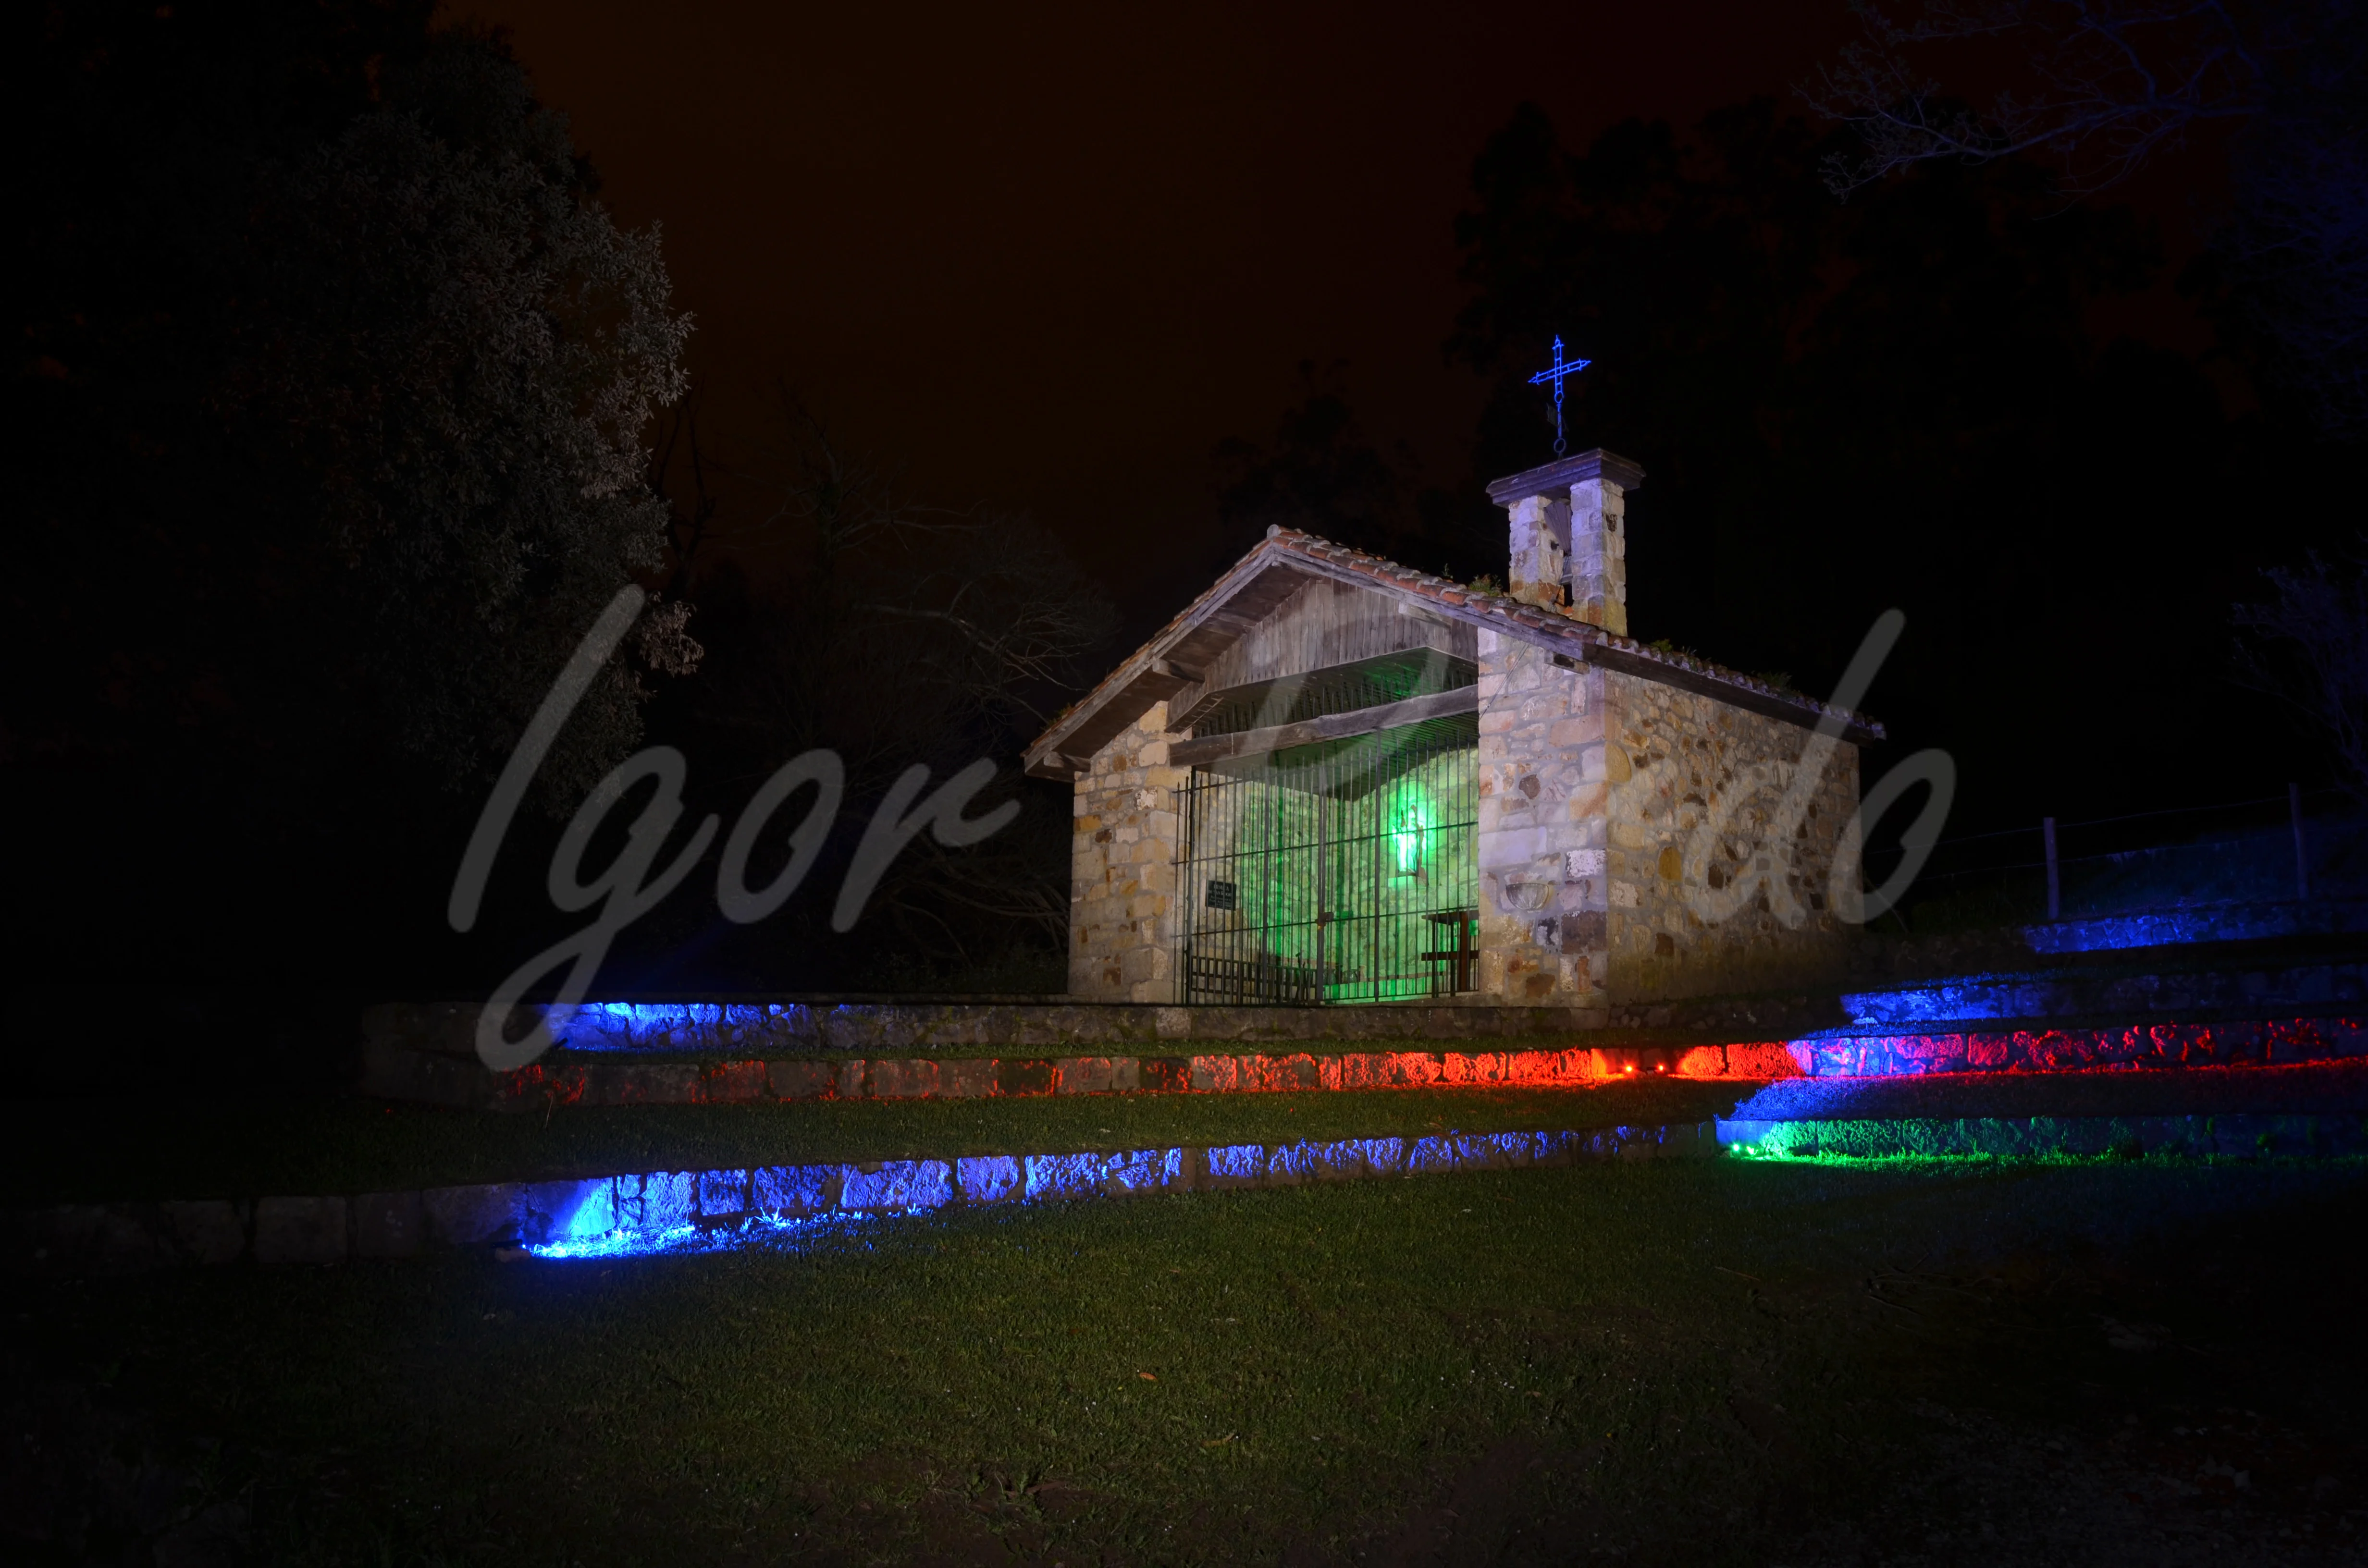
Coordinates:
[1681,1362]
[96,1150]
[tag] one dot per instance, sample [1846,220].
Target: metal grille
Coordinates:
[1339,872]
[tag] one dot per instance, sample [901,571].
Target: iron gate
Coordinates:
[1336,872]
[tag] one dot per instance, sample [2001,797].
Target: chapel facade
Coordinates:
[1335,780]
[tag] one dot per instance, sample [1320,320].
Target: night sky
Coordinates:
[1048,259]
[1055,263]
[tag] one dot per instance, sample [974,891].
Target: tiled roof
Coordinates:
[1289,546]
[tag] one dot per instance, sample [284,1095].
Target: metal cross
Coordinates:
[1555,372]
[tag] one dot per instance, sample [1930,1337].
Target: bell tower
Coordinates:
[1568,532]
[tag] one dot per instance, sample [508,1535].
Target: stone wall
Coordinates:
[1598,554]
[1541,842]
[1122,868]
[1673,759]
[731,1029]
[701,1211]
[465,1084]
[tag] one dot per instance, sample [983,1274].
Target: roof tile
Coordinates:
[1291,542]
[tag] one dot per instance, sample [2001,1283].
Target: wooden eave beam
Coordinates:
[1165,665]
[1330,727]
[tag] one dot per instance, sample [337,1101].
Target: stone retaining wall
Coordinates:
[393,1073]
[744,1029]
[630,1212]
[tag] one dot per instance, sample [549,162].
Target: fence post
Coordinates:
[2054,888]
[2302,858]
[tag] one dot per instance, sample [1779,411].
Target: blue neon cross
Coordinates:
[1555,373]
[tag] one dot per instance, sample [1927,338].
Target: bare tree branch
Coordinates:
[2115,82]
[2308,646]
[2107,85]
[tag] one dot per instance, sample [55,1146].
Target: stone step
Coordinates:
[2194,925]
[393,1073]
[2315,1110]
[2324,1086]
[2083,994]
[1862,1052]
[2239,1136]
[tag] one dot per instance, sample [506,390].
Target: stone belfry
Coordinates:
[1569,535]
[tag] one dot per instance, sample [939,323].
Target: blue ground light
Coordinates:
[687,1212]
[757,1230]
[671,1212]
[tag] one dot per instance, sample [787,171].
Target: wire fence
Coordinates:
[2294,844]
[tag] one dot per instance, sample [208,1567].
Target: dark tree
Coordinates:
[1324,475]
[1896,400]
[894,633]
[2101,87]
[2308,645]
[338,375]
[1320,473]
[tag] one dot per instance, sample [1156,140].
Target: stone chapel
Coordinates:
[1335,780]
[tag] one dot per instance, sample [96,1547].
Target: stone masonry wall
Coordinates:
[1122,868]
[1673,758]
[1542,829]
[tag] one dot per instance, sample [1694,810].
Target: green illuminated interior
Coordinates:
[1338,855]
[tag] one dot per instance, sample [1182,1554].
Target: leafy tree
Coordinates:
[337,372]
[443,382]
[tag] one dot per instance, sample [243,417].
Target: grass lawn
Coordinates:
[1682,1362]
[95,1151]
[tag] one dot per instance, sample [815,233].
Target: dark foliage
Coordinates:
[892,633]
[2307,645]
[336,374]
[2100,88]
[1898,400]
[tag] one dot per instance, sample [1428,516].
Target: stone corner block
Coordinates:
[209,1231]
[990,1178]
[470,1216]
[389,1224]
[802,1080]
[565,1210]
[299,1230]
